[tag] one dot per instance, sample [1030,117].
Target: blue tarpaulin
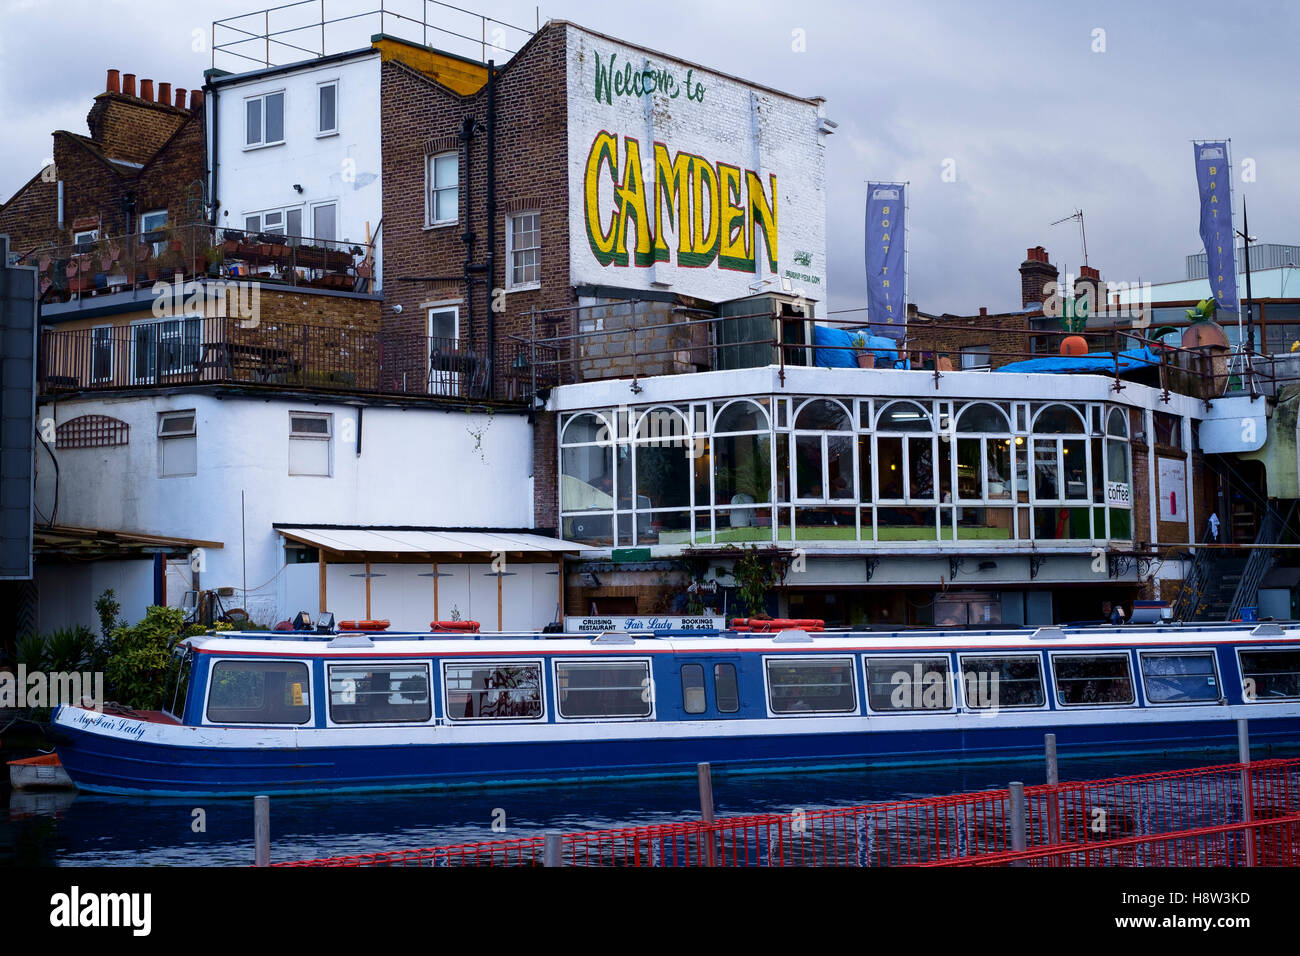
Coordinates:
[884,348]
[1129,361]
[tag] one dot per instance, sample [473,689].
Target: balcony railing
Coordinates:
[120,263]
[194,350]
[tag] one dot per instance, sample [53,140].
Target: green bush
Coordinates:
[137,670]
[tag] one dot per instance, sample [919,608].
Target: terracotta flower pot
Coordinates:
[866,360]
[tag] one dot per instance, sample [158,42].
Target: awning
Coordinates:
[62,541]
[363,541]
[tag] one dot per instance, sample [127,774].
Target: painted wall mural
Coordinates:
[688,181]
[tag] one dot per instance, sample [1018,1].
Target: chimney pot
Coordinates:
[165,94]
[128,84]
[146,90]
[180,98]
[984,310]
[1088,272]
[196,99]
[114,82]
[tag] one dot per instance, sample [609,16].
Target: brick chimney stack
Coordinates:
[1089,285]
[130,126]
[1036,272]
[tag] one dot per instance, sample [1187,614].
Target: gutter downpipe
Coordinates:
[491,221]
[210,116]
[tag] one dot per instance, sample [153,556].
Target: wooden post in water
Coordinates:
[261,831]
[1247,798]
[1053,779]
[1016,796]
[552,850]
[1053,771]
[705,774]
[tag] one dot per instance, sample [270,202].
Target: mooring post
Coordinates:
[1053,779]
[262,831]
[705,773]
[553,850]
[1247,801]
[1016,794]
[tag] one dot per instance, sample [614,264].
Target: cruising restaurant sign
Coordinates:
[687,181]
[620,622]
[886,247]
[1214,183]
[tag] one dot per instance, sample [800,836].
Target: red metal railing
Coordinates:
[1220,815]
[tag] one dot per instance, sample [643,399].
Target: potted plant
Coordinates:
[865,359]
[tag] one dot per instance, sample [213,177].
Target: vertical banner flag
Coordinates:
[1215,186]
[886,243]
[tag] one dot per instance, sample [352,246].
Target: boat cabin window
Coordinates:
[901,684]
[1270,675]
[490,691]
[811,686]
[603,689]
[693,688]
[1083,679]
[725,688]
[1179,678]
[178,682]
[992,683]
[259,692]
[377,693]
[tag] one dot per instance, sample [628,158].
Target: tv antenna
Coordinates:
[1083,235]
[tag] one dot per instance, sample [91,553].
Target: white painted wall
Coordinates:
[67,592]
[418,466]
[402,597]
[722,119]
[343,168]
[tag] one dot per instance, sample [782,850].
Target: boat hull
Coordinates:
[120,756]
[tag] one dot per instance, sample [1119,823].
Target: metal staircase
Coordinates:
[1188,602]
[1261,560]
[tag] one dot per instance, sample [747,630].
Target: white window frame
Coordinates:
[311,212]
[191,434]
[284,115]
[283,228]
[650,675]
[85,237]
[492,721]
[1104,652]
[1180,652]
[909,657]
[310,685]
[327,438]
[177,334]
[407,663]
[95,345]
[511,285]
[430,187]
[849,660]
[448,383]
[161,246]
[1241,674]
[984,351]
[999,655]
[321,133]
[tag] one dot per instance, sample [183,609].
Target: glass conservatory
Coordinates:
[819,469]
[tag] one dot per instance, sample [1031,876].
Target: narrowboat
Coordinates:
[252,713]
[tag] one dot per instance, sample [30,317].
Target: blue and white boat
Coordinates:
[250,713]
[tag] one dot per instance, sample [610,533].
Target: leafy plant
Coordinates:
[70,648]
[106,606]
[137,670]
[30,650]
[755,574]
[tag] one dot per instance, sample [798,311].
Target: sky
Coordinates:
[1032,109]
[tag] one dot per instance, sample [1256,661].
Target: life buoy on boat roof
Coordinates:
[765,624]
[457,627]
[363,625]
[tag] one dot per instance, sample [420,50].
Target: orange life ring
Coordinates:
[363,625]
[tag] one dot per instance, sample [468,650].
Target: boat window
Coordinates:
[178,682]
[603,689]
[995,682]
[259,692]
[693,688]
[1093,679]
[899,684]
[1270,675]
[725,688]
[374,693]
[1175,678]
[814,686]
[486,691]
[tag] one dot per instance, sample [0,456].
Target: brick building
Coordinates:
[141,167]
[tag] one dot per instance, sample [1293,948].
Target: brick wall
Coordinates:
[1006,335]
[546,472]
[421,117]
[131,128]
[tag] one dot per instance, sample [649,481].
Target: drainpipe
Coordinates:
[491,219]
[466,136]
[211,116]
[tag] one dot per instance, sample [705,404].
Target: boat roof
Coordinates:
[421,644]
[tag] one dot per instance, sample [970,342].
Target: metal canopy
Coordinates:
[61,541]
[427,541]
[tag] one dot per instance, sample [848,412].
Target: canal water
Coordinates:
[67,828]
